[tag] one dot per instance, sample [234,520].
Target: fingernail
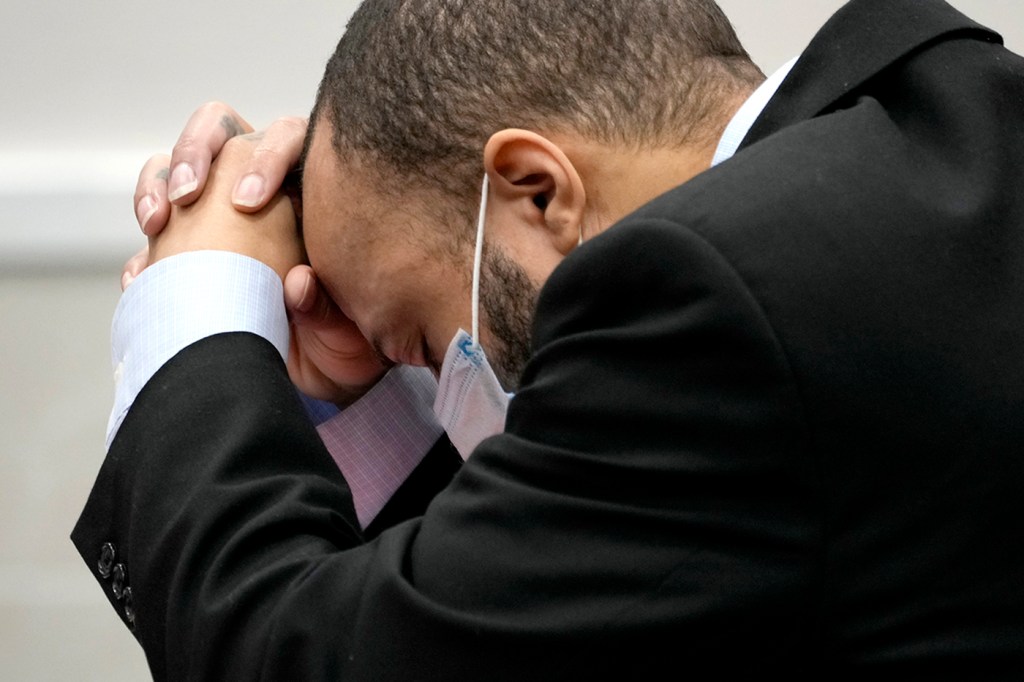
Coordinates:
[126,279]
[183,181]
[250,190]
[145,211]
[307,298]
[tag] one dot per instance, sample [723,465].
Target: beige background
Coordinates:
[89,90]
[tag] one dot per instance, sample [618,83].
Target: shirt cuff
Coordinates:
[381,438]
[183,299]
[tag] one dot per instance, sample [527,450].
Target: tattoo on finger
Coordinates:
[232,127]
[163,173]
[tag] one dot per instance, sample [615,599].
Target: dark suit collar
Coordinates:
[859,41]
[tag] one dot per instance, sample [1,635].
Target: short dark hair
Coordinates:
[418,86]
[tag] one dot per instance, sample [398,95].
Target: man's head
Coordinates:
[578,110]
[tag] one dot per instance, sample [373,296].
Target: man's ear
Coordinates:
[534,179]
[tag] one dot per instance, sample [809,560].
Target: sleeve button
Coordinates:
[106,562]
[120,574]
[129,607]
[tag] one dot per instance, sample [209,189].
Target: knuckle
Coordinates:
[234,145]
[281,140]
[291,123]
[158,168]
[266,149]
[152,180]
[142,184]
[185,146]
[213,108]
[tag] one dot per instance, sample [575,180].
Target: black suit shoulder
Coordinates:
[656,412]
[883,241]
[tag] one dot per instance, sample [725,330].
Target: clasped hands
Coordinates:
[221,189]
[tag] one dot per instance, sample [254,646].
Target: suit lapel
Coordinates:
[863,38]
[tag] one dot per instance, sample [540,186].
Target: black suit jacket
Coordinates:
[773,423]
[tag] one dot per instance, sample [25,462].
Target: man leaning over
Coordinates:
[766,413]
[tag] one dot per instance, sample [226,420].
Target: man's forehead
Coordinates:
[344,206]
[361,204]
[329,175]
[332,190]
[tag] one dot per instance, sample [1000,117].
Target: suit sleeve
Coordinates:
[649,500]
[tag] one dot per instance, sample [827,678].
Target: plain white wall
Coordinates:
[125,74]
[89,90]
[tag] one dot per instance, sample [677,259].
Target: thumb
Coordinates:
[135,265]
[307,303]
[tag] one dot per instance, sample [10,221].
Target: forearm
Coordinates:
[183,299]
[216,495]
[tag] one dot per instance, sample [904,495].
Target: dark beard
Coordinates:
[508,299]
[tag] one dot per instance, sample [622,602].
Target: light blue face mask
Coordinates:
[470,402]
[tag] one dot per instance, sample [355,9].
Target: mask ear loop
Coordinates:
[477,259]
